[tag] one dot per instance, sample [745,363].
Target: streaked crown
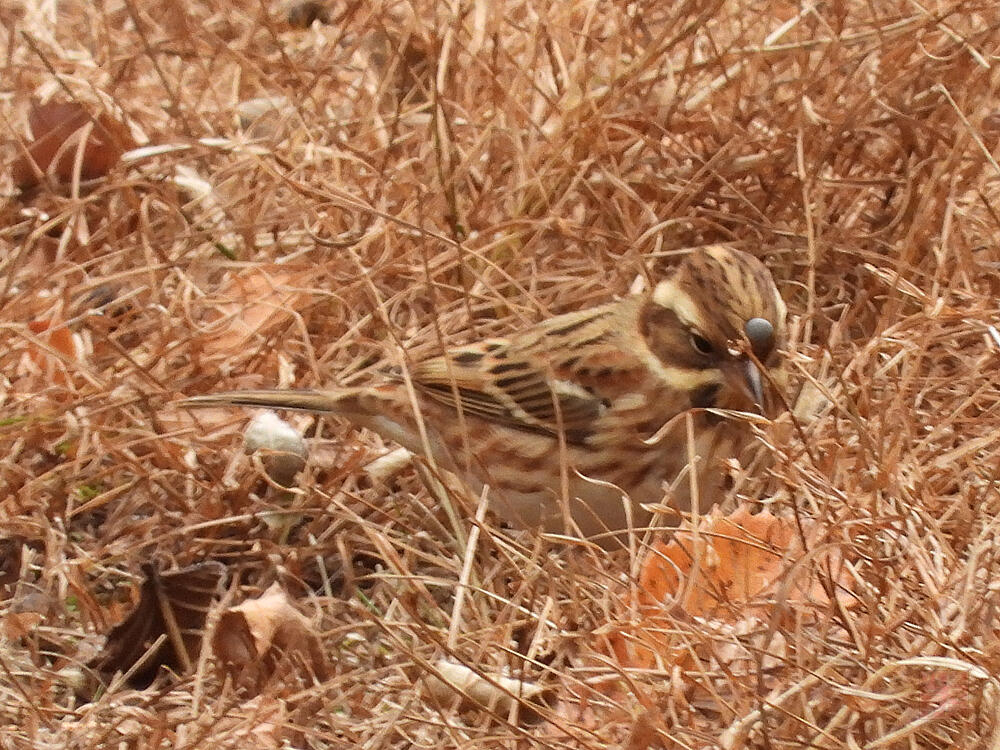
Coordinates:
[719,306]
[724,295]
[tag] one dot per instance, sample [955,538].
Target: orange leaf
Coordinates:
[58,340]
[734,567]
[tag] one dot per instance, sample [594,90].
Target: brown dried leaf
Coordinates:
[252,639]
[644,733]
[741,559]
[19,624]
[57,128]
[59,336]
[173,606]
[58,340]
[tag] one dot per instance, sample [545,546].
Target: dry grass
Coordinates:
[443,171]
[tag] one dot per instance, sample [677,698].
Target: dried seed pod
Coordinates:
[283,451]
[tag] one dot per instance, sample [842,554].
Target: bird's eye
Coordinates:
[701,344]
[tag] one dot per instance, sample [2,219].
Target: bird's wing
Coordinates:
[529,381]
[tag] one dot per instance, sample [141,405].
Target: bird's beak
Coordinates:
[744,376]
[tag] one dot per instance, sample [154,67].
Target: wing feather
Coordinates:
[527,382]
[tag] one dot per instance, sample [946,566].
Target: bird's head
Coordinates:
[702,324]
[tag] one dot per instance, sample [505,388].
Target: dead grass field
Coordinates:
[428,173]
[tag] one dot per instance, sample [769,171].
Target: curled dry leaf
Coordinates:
[734,569]
[254,638]
[171,612]
[386,466]
[57,128]
[484,690]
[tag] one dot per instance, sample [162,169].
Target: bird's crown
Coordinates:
[724,295]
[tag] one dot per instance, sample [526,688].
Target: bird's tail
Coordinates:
[344,402]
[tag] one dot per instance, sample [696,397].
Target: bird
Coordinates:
[580,423]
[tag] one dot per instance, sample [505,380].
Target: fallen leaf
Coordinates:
[19,624]
[58,336]
[57,128]
[262,300]
[58,345]
[252,639]
[282,450]
[644,733]
[171,612]
[733,569]
[388,465]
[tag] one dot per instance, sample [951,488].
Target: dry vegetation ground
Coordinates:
[433,172]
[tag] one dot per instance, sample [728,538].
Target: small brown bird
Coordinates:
[577,422]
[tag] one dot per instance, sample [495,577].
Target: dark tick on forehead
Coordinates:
[760,334]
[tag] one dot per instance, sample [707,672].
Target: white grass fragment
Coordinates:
[494,691]
[385,467]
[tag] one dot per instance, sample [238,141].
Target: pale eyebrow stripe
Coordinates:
[667,295]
